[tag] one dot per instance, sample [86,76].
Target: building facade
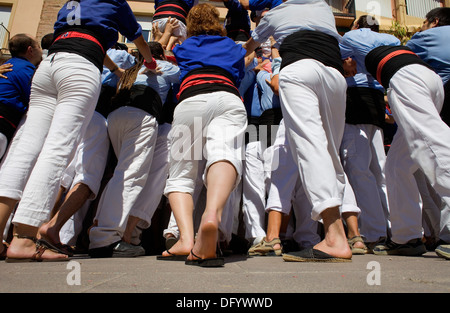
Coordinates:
[36,17]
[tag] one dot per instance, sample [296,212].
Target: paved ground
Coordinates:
[365,274]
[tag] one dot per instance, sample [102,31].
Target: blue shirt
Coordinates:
[268,99]
[258,5]
[105,17]
[433,47]
[189,3]
[356,44]
[208,50]
[160,83]
[15,91]
[123,59]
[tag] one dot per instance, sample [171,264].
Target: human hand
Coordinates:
[274,83]
[171,25]
[156,33]
[7,67]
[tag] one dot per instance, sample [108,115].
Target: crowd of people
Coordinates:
[310,144]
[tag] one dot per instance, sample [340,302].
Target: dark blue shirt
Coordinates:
[258,5]
[209,50]
[106,18]
[15,91]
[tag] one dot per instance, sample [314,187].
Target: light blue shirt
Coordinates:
[268,99]
[160,83]
[295,15]
[433,47]
[123,59]
[356,44]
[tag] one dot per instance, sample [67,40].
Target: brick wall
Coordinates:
[48,17]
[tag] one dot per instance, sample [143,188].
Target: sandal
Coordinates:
[171,257]
[208,262]
[265,248]
[351,243]
[57,247]
[37,256]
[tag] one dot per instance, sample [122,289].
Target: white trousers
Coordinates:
[313,103]
[416,95]
[207,126]
[87,167]
[286,192]
[64,91]
[230,219]
[133,134]
[180,31]
[363,157]
[255,179]
[3,145]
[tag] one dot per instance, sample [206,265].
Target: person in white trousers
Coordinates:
[312,93]
[81,184]
[64,92]
[140,143]
[415,94]
[362,150]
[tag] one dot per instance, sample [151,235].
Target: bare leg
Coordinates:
[274,223]
[131,225]
[335,242]
[58,203]
[182,206]
[351,219]
[75,199]
[221,178]
[6,207]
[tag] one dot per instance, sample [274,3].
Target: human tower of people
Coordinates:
[326,145]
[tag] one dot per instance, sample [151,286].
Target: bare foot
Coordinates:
[181,247]
[206,243]
[24,248]
[49,233]
[335,247]
[335,242]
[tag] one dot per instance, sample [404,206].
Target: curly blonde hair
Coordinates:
[203,19]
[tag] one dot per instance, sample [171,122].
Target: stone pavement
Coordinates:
[262,275]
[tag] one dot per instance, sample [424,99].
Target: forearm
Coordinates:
[143,48]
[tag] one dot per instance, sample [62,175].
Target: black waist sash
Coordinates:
[9,120]
[306,44]
[445,112]
[172,8]
[384,61]
[206,80]
[80,41]
[141,97]
[365,106]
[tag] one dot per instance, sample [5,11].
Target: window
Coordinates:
[376,8]
[5,14]
[146,24]
[420,8]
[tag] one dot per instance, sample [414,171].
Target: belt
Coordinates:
[201,79]
[387,58]
[74,34]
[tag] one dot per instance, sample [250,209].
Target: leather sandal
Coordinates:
[37,256]
[351,243]
[266,248]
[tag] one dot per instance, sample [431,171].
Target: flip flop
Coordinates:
[171,257]
[208,262]
[37,256]
[312,255]
[57,247]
